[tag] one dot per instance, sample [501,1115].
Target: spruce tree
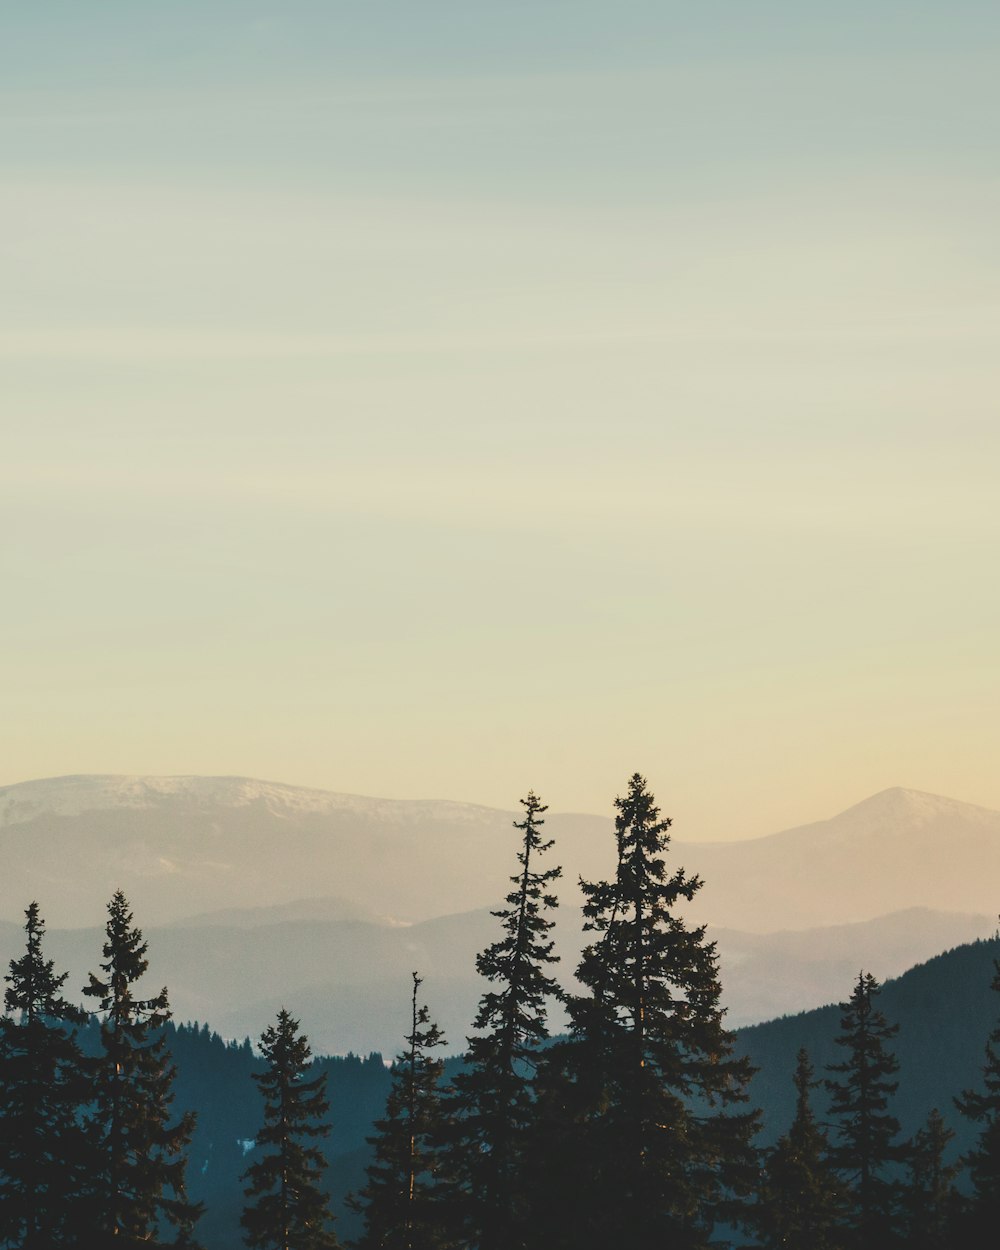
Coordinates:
[929,1199]
[800,1202]
[288,1208]
[405,1201]
[494,1103]
[865,1149]
[42,1084]
[138,1163]
[982,1107]
[644,1141]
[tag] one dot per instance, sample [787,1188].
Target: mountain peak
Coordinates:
[899,805]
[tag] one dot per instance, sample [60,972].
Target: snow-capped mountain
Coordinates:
[180,846]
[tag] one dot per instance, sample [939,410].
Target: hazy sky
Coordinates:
[440,399]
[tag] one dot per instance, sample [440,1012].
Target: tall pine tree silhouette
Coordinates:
[644,1141]
[405,1201]
[288,1209]
[801,1201]
[494,1103]
[42,1084]
[865,1148]
[982,1107]
[929,1198]
[138,1163]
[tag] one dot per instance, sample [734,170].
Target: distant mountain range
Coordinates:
[183,845]
[898,849]
[256,895]
[348,979]
[178,846]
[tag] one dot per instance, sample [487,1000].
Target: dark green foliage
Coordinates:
[290,1211]
[864,1145]
[801,1201]
[42,1084]
[215,1077]
[137,1173]
[405,1200]
[929,1200]
[644,1140]
[494,1103]
[982,1107]
[944,1008]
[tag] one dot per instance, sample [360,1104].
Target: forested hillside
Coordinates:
[644,1119]
[214,1078]
[944,1010]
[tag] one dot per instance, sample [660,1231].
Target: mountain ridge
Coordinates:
[187,845]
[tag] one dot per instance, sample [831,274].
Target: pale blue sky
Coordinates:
[445,399]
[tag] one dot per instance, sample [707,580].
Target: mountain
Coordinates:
[348,979]
[256,895]
[180,846]
[318,910]
[774,974]
[945,1010]
[896,850]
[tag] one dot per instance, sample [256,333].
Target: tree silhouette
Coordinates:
[494,1103]
[983,1161]
[42,1083]
[137,1174]
[801,1201]
[865,1145]
[291,1211]
[930,1202]
[405,1199]
[642,1141]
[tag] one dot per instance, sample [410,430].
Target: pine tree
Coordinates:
[865,1147]
[137,1171]
[642,1143]
[291,1211]
[930,1201]
[801,1201]
[405,1202]
[494,1102]
[983,1161]
[42,1083]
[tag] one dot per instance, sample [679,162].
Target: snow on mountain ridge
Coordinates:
[185,845]
[75,794]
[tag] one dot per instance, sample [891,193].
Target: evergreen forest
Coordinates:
[645,1123]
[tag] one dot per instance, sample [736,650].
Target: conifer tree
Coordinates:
[930,1201]
[405,1202]
[644,1141]
[801,1201]
[865,1147]
[494,1101]
[289,1210]
[137,1171]
[42,1083]
[983,1161]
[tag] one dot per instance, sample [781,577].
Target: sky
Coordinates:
[444,400]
